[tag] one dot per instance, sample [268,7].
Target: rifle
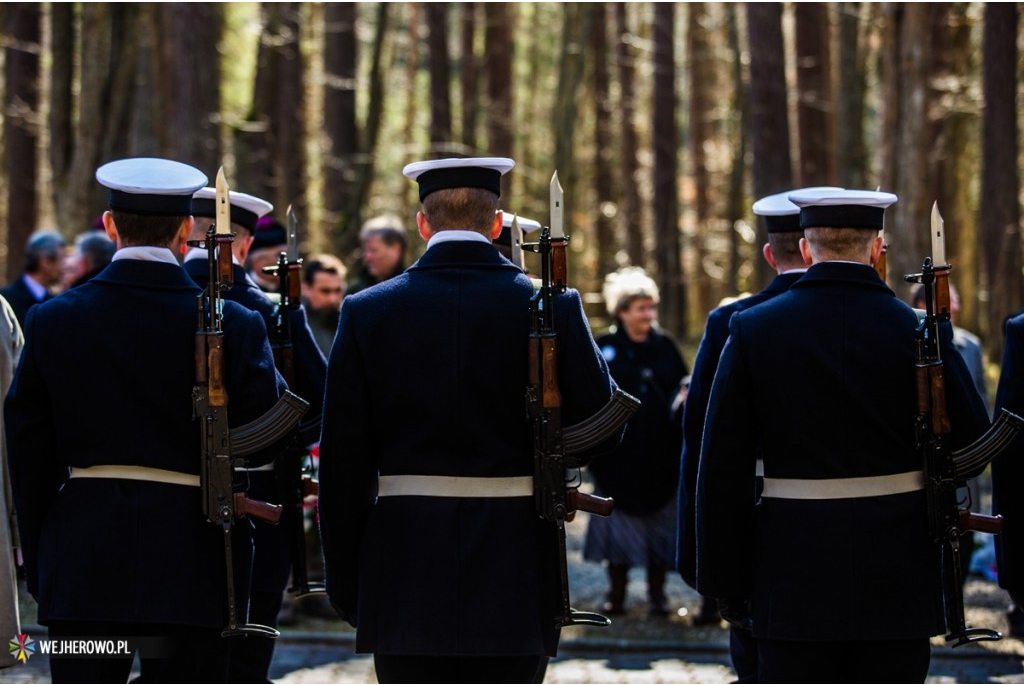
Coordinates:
[946,470]
[554,448]
[221,446]
[293,469]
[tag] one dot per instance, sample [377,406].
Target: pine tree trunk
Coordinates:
[665,132]
[22,25]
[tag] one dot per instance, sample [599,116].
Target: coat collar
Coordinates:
[783,282]
[828,273]
[463,253]
[135,273]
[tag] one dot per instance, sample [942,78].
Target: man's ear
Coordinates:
[876,249]
[499,220]
[769,256]
[805,252]
[184,231]
[110,227]
[423,226]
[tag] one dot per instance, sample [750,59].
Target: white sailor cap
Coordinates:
[246,210]
[525,225]
[842,208]
[150,185]
[467,172]
[781,215]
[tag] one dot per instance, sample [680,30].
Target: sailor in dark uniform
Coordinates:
[782,252]
[834,568]
[433,547]
[251,657]
[107,491]
[1008,469]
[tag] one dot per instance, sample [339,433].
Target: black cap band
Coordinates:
[842,216]
[786,223]
[150,205]
[459,177]
[207,207]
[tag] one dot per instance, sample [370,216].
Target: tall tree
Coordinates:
[469,74]
[498,64]
[346,239]
[341,130]
[1000,179]
[22,25]
[665,135]
[272,157]
[630,210]
[575,30]
[700,79]
[954,148]
[769,121]
[59,124]
[604,183]
[187,80]
[736,209]
[813,93]
[907,139]
[440,67]
[851,156]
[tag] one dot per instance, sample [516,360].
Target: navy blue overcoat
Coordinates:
[821,379]
[106,379]
[428,376]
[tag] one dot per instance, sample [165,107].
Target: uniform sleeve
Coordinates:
[694,411]
[726,476]
[584,379]
[310,376]
[36,475]
[254,384]
[348,467]
[1008,468]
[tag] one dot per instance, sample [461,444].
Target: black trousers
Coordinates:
[861,661]
[743,650]
[250,656]
[182,654]
[459,669]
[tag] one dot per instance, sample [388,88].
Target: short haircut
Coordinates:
[786,247]
[45,244]
[96,248]
[839,243]
[139,229]
[470,209]
[326,263]
[387,227]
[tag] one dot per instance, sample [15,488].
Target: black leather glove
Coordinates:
[736,612]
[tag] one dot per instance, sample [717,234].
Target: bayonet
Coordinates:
[293,236]
[558,238]
[938,238]
[557,210]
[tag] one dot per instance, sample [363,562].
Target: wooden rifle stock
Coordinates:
[264,511]
[581,501]
[983,523]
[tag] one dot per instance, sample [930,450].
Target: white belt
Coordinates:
[137,473]
[842,488]
[265,467]
[455,486]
